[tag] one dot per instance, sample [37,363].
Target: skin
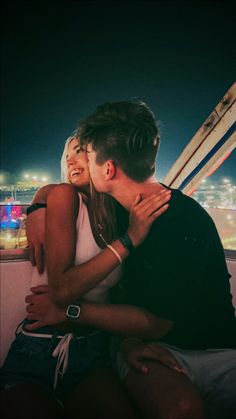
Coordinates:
[68,282]
[149,390]
[110,179]
[163,368]
[77,166]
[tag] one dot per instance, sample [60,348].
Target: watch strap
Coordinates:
[126,241]
[73,311]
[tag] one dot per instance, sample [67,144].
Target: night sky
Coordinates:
[61,59]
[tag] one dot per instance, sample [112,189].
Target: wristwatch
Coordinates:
[127,242]
[73,312]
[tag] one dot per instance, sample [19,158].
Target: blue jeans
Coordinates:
[30,360]
[213,371]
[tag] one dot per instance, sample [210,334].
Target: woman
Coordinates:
[77,267]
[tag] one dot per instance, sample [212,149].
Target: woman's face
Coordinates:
[77,165]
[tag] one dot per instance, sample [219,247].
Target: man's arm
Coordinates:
[121,319]
[124,320]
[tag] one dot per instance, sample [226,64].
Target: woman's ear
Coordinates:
[110,170]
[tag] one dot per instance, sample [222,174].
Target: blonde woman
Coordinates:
[46,364]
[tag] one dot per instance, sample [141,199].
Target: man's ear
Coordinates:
[110,170]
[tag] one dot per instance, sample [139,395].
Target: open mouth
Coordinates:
[76,172]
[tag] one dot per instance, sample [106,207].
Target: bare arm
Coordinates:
[42,193]
[120,319]
[35,229]
[66,281]
[124,320]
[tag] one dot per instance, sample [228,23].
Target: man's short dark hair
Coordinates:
[125,132]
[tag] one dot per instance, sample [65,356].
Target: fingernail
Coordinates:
[181,370]
[177,369]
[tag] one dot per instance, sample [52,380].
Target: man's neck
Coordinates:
[126,192]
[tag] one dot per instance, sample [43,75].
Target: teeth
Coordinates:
[76,172]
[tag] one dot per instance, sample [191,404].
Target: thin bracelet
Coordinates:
[115,253]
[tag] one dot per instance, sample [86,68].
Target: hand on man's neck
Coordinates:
[127,190]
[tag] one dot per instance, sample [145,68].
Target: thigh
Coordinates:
[99,395]
[164,393]
[29,360]
[27,401]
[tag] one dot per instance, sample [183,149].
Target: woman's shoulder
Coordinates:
[64,192]
[64,188]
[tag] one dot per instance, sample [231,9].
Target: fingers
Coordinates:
[154,353]
[137,365]
[149,205]
[29,299]
[145,202]
[164,356]
[40,289]
[171,362]
[137,200]
[154,203]
[158,212]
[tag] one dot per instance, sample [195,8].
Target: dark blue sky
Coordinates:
[61,59]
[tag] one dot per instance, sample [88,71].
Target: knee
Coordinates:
[184,409]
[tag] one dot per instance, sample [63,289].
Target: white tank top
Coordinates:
[86,248]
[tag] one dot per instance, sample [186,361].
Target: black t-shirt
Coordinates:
[179,273]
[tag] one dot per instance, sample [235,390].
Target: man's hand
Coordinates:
[144,212]
[41,309]
[35,231]
[136,352]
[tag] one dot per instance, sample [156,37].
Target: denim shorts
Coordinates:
[30,360]
[213,371]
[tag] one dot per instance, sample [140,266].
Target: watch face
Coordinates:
[73,311]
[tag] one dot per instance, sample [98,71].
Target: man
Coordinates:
[177,278]
[179,273]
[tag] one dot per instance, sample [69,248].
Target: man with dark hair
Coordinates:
[126,132]
[178,274]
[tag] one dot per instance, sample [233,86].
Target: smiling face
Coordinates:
[77,165]
[97,171]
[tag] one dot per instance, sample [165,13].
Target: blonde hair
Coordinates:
[103,215]
[64,177]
